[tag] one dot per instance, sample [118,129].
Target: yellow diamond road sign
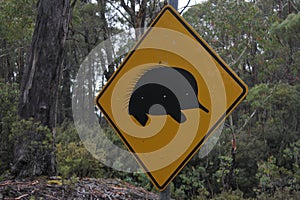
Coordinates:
[169,95]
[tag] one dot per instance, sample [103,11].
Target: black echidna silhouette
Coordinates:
[172,88]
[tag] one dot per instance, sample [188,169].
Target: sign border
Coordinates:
[212,53]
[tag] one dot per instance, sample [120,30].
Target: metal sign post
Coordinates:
[166,194]
[174,4]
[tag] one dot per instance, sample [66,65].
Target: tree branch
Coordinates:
[118,9]
[240,56]
[185,6]
[129,10]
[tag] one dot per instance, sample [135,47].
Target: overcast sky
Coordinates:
[182,3]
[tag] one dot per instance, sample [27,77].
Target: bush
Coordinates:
[72,157]
[9,94]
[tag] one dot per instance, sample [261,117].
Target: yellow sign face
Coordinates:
[169,95]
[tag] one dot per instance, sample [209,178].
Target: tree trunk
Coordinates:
[39,88]
[64,112]
[137,18]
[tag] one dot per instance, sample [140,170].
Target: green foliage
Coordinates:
[137,179]
[34,142]
[283,49]
[74,160]
[276,182]
[191,183]
[9,94]
[16,27]
[250,37]
[224,171]
[72,157]
[273,139]
[230,195]
[17,19]
[258,95]
[236,30]
[288,30]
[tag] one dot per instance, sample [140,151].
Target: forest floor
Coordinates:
[78,189]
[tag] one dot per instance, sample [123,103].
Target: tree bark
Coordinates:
[64,107]
[137,18]
[39,88]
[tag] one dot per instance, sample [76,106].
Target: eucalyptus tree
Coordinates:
[39,89]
